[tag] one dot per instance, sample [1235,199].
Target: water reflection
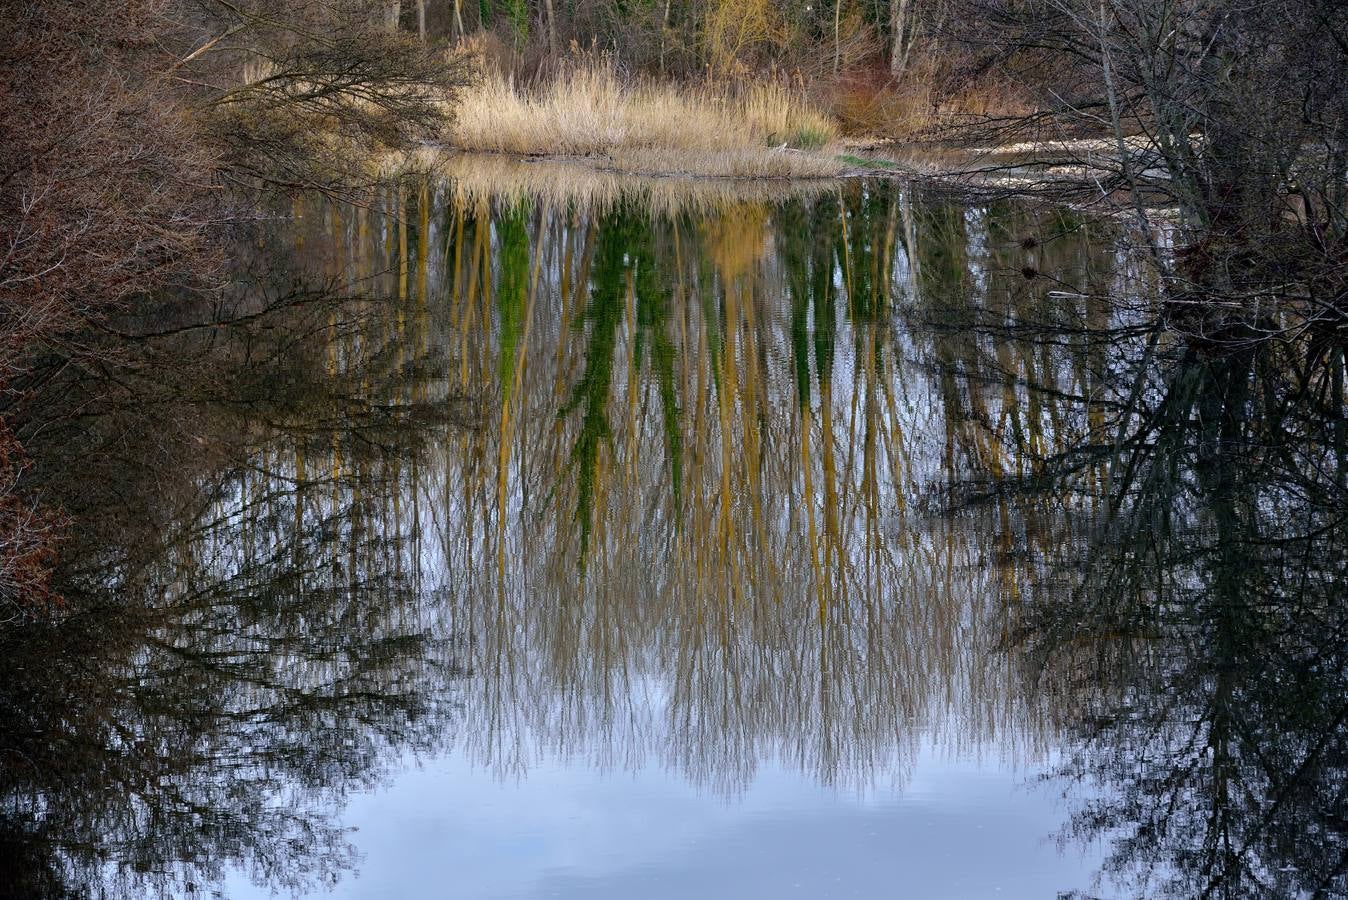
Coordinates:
[700,468]
[246,639]
[1199,624]
[814,483]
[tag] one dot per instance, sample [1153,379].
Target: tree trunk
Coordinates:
[551,26]
[458,19]
[837,32]
[664,33]
[421,20]
[900,39]
[393,12]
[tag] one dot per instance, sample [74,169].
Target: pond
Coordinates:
[520,538]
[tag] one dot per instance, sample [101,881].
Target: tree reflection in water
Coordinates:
[816,480]
[1194,625]
[248,635]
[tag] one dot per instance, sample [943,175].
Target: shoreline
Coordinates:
[1012,172]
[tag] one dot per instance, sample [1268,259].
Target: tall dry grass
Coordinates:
[761,129]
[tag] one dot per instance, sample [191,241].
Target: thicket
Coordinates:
[134,132]
[1234,117]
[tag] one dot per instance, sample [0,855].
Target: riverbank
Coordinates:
[750,129]
[590,116]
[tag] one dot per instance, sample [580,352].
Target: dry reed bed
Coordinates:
[756,130]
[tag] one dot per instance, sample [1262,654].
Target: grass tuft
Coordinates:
[643,126]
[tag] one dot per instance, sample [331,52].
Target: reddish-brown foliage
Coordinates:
[29,534]
[100,201]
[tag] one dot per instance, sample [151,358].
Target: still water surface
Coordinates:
[636,543]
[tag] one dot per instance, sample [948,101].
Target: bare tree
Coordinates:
[126,126]
[1234,115]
